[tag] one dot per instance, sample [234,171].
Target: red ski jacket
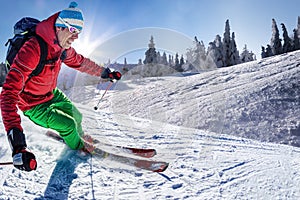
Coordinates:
[17,92]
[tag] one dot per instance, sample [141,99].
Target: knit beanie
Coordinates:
[72,16]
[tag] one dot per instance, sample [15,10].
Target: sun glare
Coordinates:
[91,38]
[85,45]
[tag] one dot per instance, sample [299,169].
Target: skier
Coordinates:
[38,96]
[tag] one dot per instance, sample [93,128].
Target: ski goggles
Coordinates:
[71,28]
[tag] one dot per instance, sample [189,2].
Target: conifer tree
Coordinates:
[176,60]
[226,45]
[164,59]
[287,42]
[234,57]
[171,61]
[151,55]
[269,51]
[181,63]
[196,56]
[158,57]
[263,52]
[178,65]
[276,45]
[296,42]
[219,57]
[247,56]
[230,52]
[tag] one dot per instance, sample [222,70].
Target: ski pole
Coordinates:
[6,163]
[107,88]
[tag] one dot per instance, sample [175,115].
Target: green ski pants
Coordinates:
[60,115]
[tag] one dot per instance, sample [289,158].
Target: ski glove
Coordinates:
[22,158]
[108,74]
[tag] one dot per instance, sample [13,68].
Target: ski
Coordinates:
[150,165]
[146,153]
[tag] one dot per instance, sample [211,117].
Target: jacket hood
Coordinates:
[46,30]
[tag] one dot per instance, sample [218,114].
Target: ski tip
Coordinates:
[48,133]
[162,168]
[151,153]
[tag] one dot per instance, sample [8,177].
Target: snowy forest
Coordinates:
[224,52]
[220,53]
[276,47]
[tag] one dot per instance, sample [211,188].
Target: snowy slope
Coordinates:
[258,100]
[203,165]
[163,113]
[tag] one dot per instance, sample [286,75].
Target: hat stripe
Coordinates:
[74,22]
[72,16]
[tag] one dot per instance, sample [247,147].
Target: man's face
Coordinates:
[65,37]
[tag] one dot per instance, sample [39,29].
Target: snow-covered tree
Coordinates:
[171,61]
[215,57]
[181,63]
[230,52]
[200,54]
[246,56]
[276,45]
[269,51]
[219,53]
[263,52]
[226,45]
[178,65]
[219,57]
[211,58]
[158,57]
[234,57]
[287,41]
[190,58]
[140,62]
[296,42]
[196,56]
[176,60]
[164,59]
[290,43]
[151,55]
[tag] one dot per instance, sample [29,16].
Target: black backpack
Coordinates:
[24,29]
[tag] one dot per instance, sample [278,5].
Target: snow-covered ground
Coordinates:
[258,100]
[188,120]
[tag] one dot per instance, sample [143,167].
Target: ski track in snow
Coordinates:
[204,163]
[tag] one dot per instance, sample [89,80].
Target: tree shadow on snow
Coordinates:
[63,175]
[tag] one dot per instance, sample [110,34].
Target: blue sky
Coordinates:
[113,27]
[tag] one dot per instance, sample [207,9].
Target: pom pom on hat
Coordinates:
[72,16]
[73,4]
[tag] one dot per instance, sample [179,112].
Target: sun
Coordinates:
[90,39]
[84,45]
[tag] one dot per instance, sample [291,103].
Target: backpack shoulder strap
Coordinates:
[43,57]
